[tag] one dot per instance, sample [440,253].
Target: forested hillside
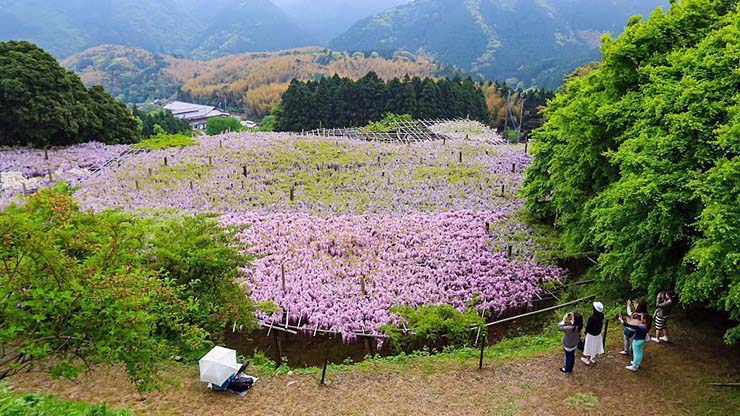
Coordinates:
[532,42]
[184,27]
[638,162]
[254,81]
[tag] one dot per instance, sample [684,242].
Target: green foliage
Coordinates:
[165,141]
[43,104]
[42,405]
[218,125]
[639,158]
[341,102]
[389,123]
[160,118]
[78,288]
[439,325]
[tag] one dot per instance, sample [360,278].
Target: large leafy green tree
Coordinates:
[78,288]
[637,158]
[43,104]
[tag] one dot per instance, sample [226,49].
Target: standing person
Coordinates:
[641,327]
[571,325]
[663,305]
[594,344]
[628,332]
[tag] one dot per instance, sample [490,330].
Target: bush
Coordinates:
[389,123]
[78,288]
[218,125]
[43,405]
[165,141]
[438,325]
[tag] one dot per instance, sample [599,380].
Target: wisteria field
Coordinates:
[272,173]
[344,273]
[342,230]
[31,168]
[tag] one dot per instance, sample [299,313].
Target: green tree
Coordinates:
[78,288]
[43,104]
[218,125]
[636,159]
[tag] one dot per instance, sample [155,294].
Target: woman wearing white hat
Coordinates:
[594,344]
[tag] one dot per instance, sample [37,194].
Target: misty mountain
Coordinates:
[327,19]
[525,42]
[184,27]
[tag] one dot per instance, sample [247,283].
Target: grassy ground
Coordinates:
[520,377]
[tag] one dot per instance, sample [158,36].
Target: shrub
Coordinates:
[42,405]
[438,325]
[218,125]
[164,141]
[78,288]
[388,124]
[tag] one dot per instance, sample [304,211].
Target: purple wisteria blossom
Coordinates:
[344,273]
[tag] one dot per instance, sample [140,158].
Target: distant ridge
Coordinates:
[525,42]
[191,28]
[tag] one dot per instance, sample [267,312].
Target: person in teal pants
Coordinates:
[641,327]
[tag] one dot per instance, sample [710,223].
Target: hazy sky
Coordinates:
[329,18]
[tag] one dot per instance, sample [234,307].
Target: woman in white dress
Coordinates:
[594,344]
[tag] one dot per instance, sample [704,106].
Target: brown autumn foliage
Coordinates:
[496,102]
[256,81]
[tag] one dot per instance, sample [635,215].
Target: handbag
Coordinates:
[581,344]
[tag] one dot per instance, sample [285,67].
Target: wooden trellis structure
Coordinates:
[416,131]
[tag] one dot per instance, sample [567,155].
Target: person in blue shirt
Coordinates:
[641,327]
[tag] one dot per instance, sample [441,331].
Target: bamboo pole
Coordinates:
[552,308]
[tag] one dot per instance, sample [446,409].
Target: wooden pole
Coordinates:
[165,160]
[51,178]
[326,363]
[606,330]
[46,154]
[461,157]
[483,342]
[25,192]
[137,185]
[210,161]
[282,274]
[552,308]
[279,349]
[526,143]
[292,191]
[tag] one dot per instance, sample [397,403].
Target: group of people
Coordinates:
[637,324]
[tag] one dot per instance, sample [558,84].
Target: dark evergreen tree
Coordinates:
[43,104]
[427,105]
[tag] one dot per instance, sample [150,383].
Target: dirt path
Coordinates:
[672,381]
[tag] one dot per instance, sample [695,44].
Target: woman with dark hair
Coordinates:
[628,332]
[663,305]
[641,327]
[594,344]
[571,325]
